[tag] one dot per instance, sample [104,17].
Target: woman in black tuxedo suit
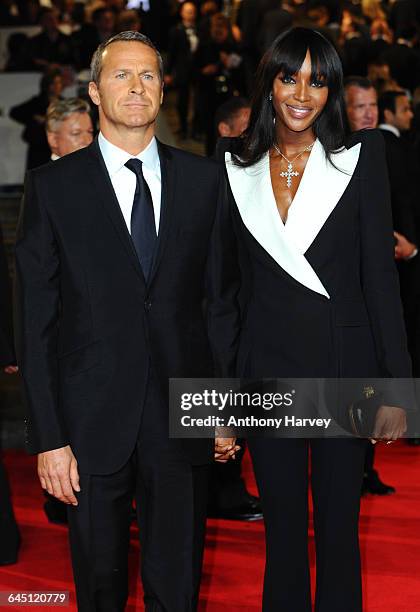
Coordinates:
[320,298]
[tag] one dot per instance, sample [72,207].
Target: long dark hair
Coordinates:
[286,55]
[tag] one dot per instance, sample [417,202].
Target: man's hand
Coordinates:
[57,471]
[390,424]
[225,449]
[404,248]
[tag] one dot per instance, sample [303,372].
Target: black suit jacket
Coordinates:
[402,189]
[87,323]
[180,58]
[290,330]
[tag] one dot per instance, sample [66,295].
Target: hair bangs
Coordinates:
[324,66]
[289,62]
[291,52]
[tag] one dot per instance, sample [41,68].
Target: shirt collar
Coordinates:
[54,157]
[390,128]
[115,158]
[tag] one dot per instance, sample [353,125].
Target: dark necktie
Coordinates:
[143,228]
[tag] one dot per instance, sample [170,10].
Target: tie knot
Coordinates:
[135,165]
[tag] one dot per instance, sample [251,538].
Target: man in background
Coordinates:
[69,126]
[362,113]
[232,117]
[395,117]
[183,43]
[361,103]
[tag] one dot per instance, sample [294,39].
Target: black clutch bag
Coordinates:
[362,414]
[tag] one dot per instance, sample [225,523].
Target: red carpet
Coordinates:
[234,560]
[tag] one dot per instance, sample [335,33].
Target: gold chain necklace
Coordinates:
[290,172]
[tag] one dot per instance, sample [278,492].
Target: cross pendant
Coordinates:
[290,172]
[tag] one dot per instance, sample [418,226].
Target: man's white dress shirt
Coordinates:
[124,180]
[390,128]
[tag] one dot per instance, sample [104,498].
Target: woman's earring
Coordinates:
[270,97]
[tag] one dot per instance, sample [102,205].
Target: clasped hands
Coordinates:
[225,449]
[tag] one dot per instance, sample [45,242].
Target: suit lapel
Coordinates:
[253,193]
[321,188]
[319,192]
[106,195]
[168,181]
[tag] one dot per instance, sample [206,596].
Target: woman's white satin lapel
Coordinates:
[253,193]
[320,190]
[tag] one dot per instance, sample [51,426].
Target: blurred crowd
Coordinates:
[212,47]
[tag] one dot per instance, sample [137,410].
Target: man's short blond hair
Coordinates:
[60,110]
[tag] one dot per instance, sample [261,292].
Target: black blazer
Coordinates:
[402,187]
[351,325]
[87,323]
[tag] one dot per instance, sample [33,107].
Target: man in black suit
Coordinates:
[183,43]
[395,116]
[362,114]
[119,245]
[51,47]
[9,532]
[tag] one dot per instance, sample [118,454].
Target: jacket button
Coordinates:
[147,304]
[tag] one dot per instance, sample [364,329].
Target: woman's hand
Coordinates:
[390,424]
[225,449]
